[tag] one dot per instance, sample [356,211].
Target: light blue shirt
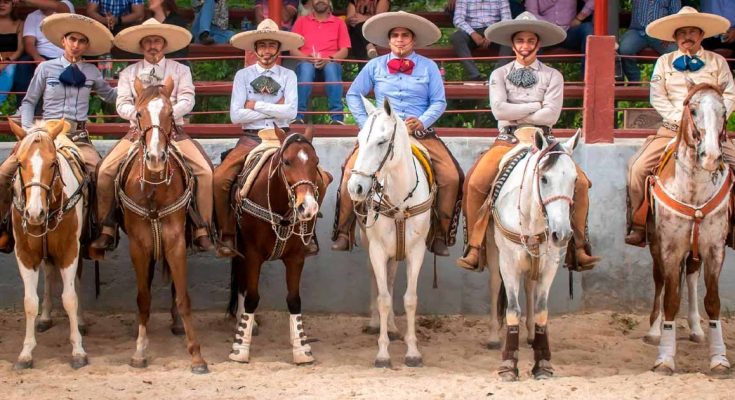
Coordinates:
[266,112]
[723,8]
[419,95]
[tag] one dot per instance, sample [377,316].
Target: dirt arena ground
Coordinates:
[596,355]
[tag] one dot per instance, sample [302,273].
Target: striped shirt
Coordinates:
[470,15]
[647,11]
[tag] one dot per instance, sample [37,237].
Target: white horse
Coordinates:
[393,185]
[532,227]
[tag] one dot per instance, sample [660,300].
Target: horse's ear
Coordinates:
[386,106]
[539,141]
[280,133]
[16,129]
[138,86]
[309,132]
[168,86]
[572,143]
[56,129]
[369,107]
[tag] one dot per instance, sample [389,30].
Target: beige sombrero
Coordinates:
[710,24]
[502,32]
[267,30]
[129,38]
[377,28]
[55,26]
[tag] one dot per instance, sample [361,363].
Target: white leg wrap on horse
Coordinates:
[667,346]
[243,336]
[301,349]
[717,351]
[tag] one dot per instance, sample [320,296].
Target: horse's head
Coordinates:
[298,166]
[38,168]
[554,178]
[703,126]
[154,113]
[377,140]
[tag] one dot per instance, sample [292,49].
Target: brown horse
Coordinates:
[276,221]
[47,213]
[155,196]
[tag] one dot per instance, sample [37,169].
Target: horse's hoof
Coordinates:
[177,330]
[303,358]
[720,371]
[23,364]
[79,361]
[542,370]
[508,376]
[200,369]
[371,330]
[139,362]
[44,325]
[83,330]
[652,340]
[414,362]
[241,356]
[493,345]
[382,363]
[664,370]
[696,337]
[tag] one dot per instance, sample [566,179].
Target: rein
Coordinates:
[166,179]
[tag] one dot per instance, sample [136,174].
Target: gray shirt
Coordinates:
[267,111]
[60,101]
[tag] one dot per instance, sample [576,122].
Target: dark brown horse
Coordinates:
[155,196]
[276,221]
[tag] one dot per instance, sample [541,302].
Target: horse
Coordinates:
[155,195]
[691,198]
[398,197]
[276,220]
[532,227]
[47,216]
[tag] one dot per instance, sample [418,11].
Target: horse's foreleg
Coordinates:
[70,299]
[511,274]
[696,334]
[299,344]
[177,326]
[392,268]
[410,303]
[712,267]
[78,287]
[494,283]
[143,274]
[656,319]
[529,285]
[385,303]
[667,347]
[47,304]
[30,303]
[540,294]
[244,330]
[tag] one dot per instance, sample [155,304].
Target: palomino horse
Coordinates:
[48,211]
[155,196]
[398,197]
[276,221]
[691,197]
[532,226]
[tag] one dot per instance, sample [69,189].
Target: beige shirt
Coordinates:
[538,105]
[669,86]
[182,97]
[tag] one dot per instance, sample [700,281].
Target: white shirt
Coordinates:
[266,112]
[32,27]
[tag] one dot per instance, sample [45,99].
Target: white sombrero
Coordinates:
[267,30]
[377,28]
[55,26]
[129,38]
[502,32]
[710,24]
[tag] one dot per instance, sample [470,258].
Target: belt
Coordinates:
[254,132]
[511,129]
[426,132]
[79,130]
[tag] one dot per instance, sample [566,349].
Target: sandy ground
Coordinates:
[596,355]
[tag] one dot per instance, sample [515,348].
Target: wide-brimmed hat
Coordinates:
[56,26]
[129,38]
[710,24]
[377,28]
[502,32]
[267,30]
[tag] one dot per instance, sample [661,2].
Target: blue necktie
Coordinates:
[685,63]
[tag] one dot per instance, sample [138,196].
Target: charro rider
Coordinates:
[415,89]
[263,96]
[153,40]
[523,93]
[669,89]
[65,84]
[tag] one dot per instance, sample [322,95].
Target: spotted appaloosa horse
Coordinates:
[691,196]
[47,214]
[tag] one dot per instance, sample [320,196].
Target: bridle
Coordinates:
[50,197]
[142,134]
[690,125]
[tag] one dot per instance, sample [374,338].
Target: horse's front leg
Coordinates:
[373,326]
[410,301]
[494,284]
[379,261]
[78,287]
[529,285]
[542,368]
[30,303]
[696,334]
[718,363]
[656,318]
[44,321]
[510,270]
[70,299]
[143,265]
[299,342]
[250,269]
[672,263]
[177,326]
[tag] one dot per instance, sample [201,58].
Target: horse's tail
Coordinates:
[234,289]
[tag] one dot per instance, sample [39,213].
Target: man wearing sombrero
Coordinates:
[523,93]
[669,89]
[264,95]
[65,85]
[415,89]
[153,40]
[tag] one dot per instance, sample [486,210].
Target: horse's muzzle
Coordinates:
[307,209]
[358,187]
[560,237]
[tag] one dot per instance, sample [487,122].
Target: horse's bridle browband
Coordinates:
[141,133]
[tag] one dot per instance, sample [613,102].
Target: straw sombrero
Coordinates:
[377,28]
[129,38]
[502,32]
[710,24]
[55,26]
[267,30]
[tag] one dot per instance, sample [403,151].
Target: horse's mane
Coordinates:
[37,133]
[550,159]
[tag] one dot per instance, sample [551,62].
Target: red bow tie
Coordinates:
[400,65]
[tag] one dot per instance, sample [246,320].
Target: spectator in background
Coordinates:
[564,13]
[11,45]
[635,39]
[358,11]
[167,12]
[211,22]
[516,7]
[116,14]
[289,11]
[471,18]
[726,41]
[305,7]
[325,39]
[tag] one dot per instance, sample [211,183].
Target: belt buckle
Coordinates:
[419,134]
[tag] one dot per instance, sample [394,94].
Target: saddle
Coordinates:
[255,160]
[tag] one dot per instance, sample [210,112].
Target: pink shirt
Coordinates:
[323,37]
